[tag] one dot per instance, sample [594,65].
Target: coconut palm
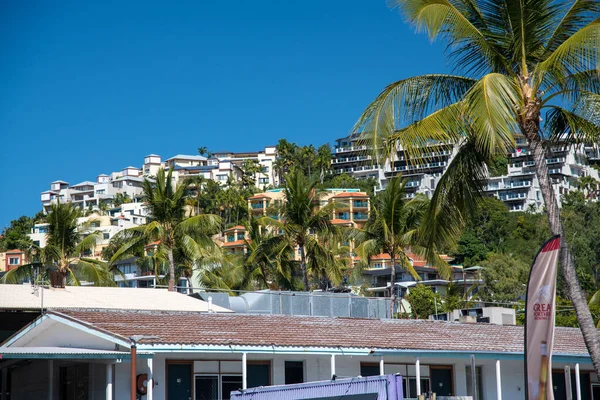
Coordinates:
[186,238]
[302,219]
[67,252]
[394,229]
[525,69]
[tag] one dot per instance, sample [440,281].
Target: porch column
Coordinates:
[568,386]
[577,382]
[109,382]
[150,381]
[381,366]
[4,383]
[418,372]
[244,371]
[50,379]
[332,365]
[498,381]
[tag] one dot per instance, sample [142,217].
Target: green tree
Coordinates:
[15,236]
[523,63]
[67,252]
[169,226]
[505,278]
[121,198]
[347,181]
[249,170]
[393,229]
[422,301]
[302,220]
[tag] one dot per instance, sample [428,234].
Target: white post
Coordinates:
[418,371]
[381,366]
[4,383]
[150,381]
[577,382]
[332,365]
[498,381]
[50,379]
[244,371]
[109,382]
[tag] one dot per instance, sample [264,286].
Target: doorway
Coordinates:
[179,380]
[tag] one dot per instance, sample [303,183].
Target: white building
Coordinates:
[519,189]
[208,354]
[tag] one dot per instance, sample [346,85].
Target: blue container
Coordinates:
[383,387]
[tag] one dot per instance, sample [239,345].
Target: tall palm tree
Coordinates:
[529,70]
[302,218]
[67,252]
[394,229]
[169,226]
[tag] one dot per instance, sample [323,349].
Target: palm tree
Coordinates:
[589,186]
[522,63]
[302,219]
[67,252]
[393,229]
[168,225]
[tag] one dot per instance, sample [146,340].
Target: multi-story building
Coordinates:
[519,189]
[234,240]
[12,259]
[423,174]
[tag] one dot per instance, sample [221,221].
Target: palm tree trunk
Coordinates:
[303,268]
[584,317]
[171,271]
[392,284]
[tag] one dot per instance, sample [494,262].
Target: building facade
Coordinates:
[519,189]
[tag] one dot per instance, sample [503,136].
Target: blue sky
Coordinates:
[92,87]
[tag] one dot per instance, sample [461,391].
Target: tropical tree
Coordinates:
[393,229]
[121,198]
[589,185]
[168,226]
[302,219]
[529,71]
[67,252]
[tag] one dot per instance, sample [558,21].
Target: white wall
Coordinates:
[317,367]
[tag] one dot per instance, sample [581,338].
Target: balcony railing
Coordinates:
[360,216]
[359,204]
[257,206]
[352,148]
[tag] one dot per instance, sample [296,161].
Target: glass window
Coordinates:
[106,235]
[207,387]
[259,374]
[230,383]
[294,372]
[13,261]
[369,369]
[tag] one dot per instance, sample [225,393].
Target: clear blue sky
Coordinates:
[91,87]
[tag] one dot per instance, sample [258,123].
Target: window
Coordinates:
[212,385]
[478,379]
[13,261]
[95,224]
[106,235]
[294,372]
[369,369]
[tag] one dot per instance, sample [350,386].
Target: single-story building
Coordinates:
[195,355]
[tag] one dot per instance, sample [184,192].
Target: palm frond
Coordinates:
[18,274]
[577,14]
[92,270]
[489,109]
[562,124]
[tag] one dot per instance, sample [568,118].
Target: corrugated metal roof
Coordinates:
[21,297]
[57,350]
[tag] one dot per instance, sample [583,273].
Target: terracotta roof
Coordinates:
[352,194]
[236,243]
[14,251]
[337,221]
[238,227]
[283,330]
[260,196]
[380,256]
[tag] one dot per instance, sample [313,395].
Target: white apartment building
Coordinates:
[519,189]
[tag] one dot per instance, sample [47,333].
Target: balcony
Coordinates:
[352,148]
[513,196]
[555,160]
[345,216]
[257,206]
[516,184]
[360,204]
[358,216]
[351,159]
[555,170]
[412,184]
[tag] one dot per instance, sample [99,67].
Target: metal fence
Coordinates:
[302,303]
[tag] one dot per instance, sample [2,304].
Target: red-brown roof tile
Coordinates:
[282,330]
[351,194]
[237,227]
[235,243]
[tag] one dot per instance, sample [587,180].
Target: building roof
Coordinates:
[130,178]
[237,227]
[180,328]
[59,181]
[351,194]
[260,196]
[85,183]
[186,157]
[337,221]
[236,243]
[14,251]
[152,155]
[19,297]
